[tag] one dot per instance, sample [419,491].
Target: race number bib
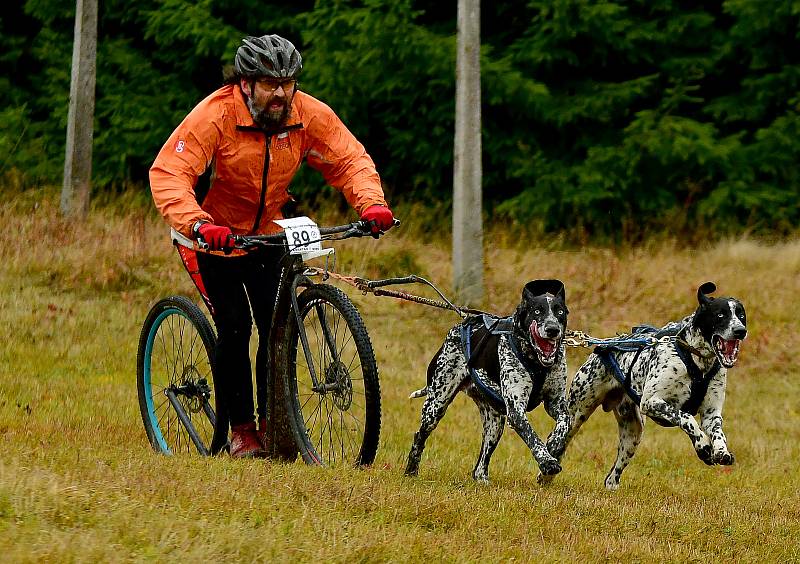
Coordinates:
[302,234]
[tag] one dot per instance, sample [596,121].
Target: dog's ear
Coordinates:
[538,287]
[704,290]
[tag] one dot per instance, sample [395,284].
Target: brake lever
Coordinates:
[229,248]
[377,235]
[355,231]
[240,242]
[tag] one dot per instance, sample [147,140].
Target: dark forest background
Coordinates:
[612,117]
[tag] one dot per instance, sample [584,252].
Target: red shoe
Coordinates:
[262,432]
[245,442]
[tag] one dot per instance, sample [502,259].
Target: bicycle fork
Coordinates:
[324,386]
[191,390]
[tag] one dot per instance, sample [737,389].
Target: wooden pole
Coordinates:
[467,211]
[80,120]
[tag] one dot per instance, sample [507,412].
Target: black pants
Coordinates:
[235,285]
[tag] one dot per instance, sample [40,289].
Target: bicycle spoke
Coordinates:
[175,351]
[163,340]
[324,426]
[350,368]
[344,435]
[315,412]
[173,377]
[329,423]
[311,396]
[163,407]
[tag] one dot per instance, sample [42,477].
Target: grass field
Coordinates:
[78,481]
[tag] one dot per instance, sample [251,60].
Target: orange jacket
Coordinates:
[251,170]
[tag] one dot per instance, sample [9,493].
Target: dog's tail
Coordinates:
[419,393]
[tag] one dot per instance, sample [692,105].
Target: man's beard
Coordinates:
[269,119]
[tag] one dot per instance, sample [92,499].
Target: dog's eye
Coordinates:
[720,315]
[537,311]
[560,312]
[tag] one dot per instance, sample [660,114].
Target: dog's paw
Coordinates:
[549,467]
[481,479]
[724,458]
[705,454]
[412,469]
[543,480]
[612,483]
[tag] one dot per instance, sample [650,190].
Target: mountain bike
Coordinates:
[324,383]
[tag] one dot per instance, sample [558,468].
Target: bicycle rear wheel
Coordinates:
[175,381]
[338,419]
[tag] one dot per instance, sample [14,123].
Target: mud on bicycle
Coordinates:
[323,395]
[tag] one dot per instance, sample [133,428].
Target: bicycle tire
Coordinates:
[340,425]
[176,354]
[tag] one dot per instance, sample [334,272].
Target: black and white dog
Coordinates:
[507,366]
[670,382]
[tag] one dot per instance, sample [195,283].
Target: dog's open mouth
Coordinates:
[727,350]
[546,349]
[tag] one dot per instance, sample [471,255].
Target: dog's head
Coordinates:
[541,317]
[721,322]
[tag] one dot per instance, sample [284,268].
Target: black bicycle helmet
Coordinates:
[268,55]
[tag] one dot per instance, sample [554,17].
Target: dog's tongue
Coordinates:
[545,345]
[729,348]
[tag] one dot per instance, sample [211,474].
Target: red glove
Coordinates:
[380,218]
[215,235]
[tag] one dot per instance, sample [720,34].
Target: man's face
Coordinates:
[270,100]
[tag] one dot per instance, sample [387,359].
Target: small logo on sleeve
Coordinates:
[180,145]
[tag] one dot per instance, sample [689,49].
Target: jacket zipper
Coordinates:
[267,143]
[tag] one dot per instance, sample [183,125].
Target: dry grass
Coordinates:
[79,483]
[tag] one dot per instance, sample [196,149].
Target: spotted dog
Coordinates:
[507,366]
[669,382]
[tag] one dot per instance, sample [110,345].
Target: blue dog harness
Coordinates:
[699,381]
[486,330]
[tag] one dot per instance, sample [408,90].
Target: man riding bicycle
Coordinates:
[253,134]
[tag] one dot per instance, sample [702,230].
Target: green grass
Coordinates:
[78,481]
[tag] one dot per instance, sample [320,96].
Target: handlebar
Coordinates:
[359,228]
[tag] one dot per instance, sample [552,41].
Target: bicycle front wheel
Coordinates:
[336,413]
[175,380]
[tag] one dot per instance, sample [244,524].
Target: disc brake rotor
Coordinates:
[342,389]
